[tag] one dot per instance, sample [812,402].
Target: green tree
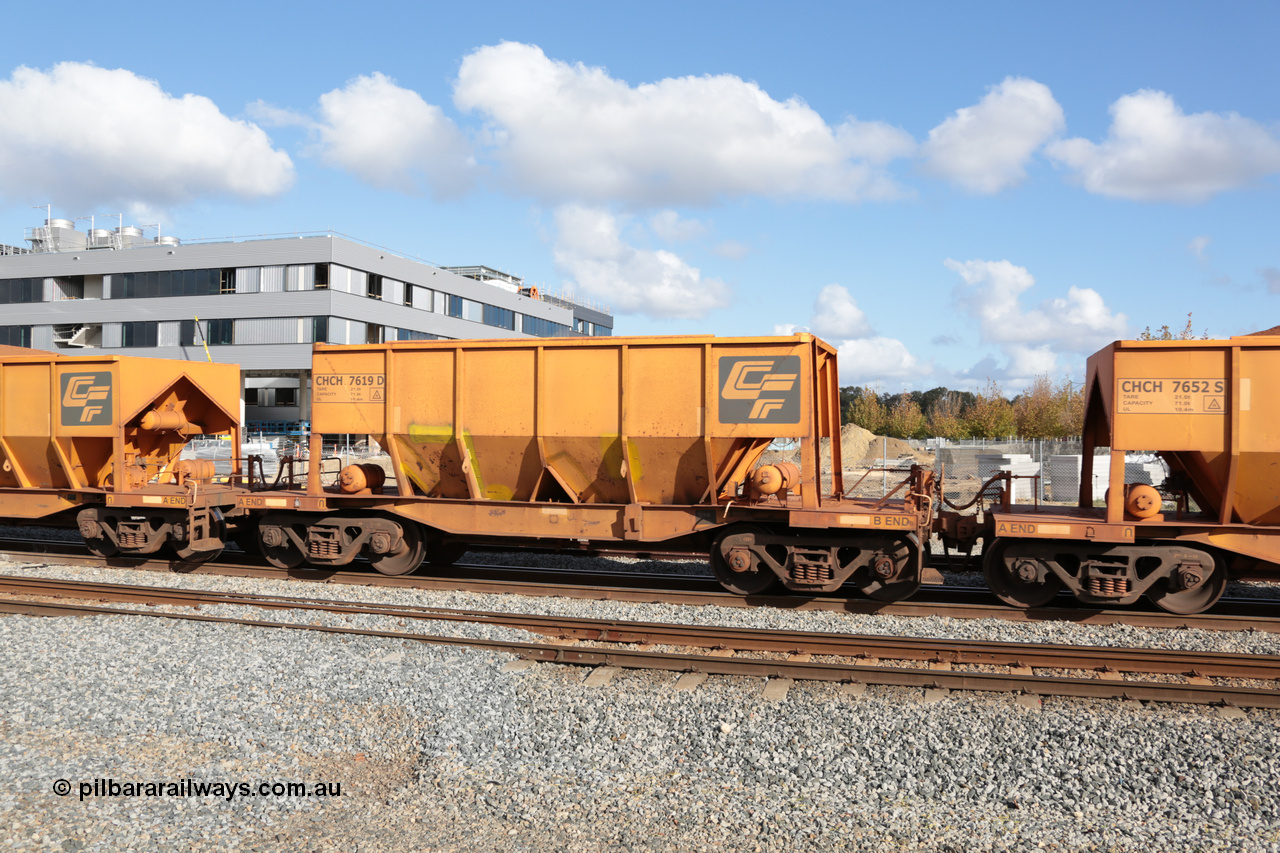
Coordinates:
[866,411]
[1164,334]
[1037,409]
[946,417]
[1070,408]
[991,415]
[904,419]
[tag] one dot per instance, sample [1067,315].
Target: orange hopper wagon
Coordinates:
[626,444]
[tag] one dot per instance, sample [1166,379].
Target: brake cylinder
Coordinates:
[772,479]
[357,478]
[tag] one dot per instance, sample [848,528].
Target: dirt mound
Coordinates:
[859,448]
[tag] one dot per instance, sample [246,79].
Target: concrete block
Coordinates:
[601,675]
[775,689]
[516,666]
[690,681]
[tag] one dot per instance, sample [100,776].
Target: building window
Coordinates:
[221,332]
[412,335]
[374,289]
[251,396]
[15,336]
[322,276]
[286,396]
[320,330]
[146,285]
[227,281]
[21,290]
[454,305]
[187,333]
[139,334]
[503,318]
[544,328]
[373,333]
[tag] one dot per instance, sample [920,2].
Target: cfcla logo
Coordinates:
[86,399]
[760,390]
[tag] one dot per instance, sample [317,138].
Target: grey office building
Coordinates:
[259,303]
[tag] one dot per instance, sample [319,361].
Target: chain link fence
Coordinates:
[1046,471]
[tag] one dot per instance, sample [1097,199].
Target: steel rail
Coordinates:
[712,665]
[876,646]
[1262,616]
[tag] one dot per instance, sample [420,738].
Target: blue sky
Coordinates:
[949,192]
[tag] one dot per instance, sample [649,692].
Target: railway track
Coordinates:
[853,659]
[952,602]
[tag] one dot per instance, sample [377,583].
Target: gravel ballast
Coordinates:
[454,749]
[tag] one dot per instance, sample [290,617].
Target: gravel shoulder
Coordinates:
[446,749]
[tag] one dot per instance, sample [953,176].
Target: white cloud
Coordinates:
[985,148]
[572,132]
[836,315]
[590,250]
[668,225]
[867,360]
[1199,245]
[1271,276]
[83,136]
[864,356]
[731,249]
[1031,339]
[1155,152]
[391,138]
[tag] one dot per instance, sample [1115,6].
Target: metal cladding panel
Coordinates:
[301,277]
[169,334]
[272,279]
[267,330]
[339,279]
[592,316]
[111,335]
[308,303]
[248,280]
[42,337]
[359,280]
[305,251]
[212,255]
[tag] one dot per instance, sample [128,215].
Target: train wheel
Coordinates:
[101,546]
[891,575]
[406,558]
[445,554]
[736,567]
[245,536]
[94,536]
[1187,591]
[278,549]
[1018,580]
